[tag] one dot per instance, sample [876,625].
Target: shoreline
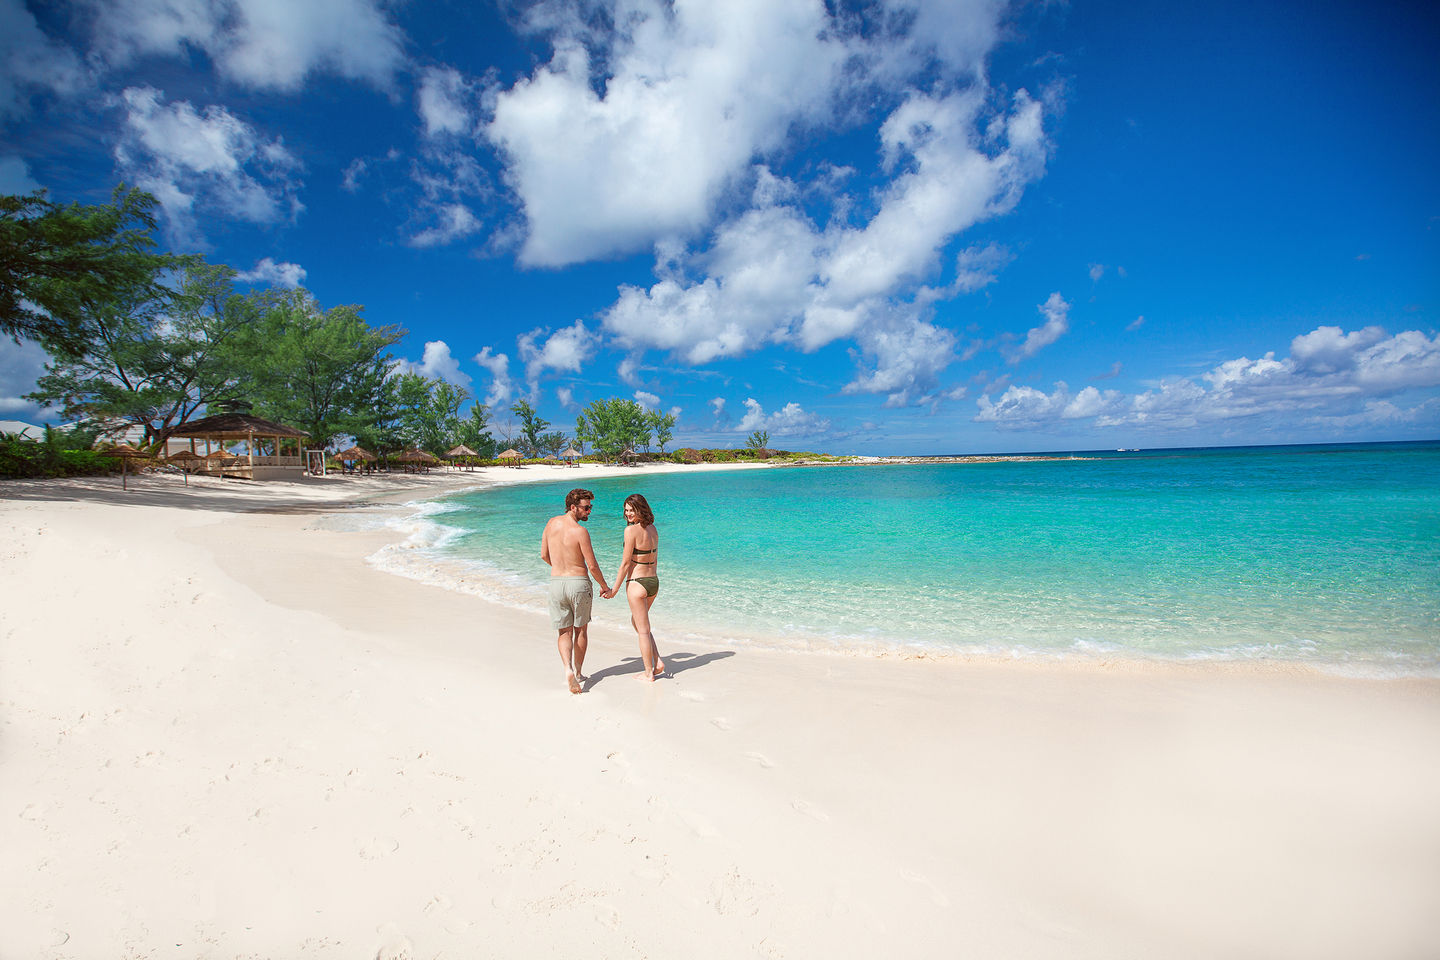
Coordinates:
[421,563]
[226,733]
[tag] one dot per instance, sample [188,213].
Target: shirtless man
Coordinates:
[565,545]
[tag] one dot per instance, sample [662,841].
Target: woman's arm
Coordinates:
[627,560]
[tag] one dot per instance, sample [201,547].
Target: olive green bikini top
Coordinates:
[651,551]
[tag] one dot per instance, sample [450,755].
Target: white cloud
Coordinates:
[437,363]
[691,92]
[789,420]
[647,400]
[907,356]
[1020,406]
[209,160]
[1097,270]
[1110,374]
[1331,377]
[566,396]
[30,61]
[1057,323]
[628,371]
[15,176]
[21,364]
[1091,402]
[772,276]
[498,366]
[1136,324]
[289,275]
[977,267]
[566,349]
[447,102]
[262,44]
[455,221]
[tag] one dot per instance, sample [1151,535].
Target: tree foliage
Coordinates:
[758,440]
[474,431]
[662,425]
[325,371]
[429,412]
[532,426]
[61,266]
[147,355]
[611,426]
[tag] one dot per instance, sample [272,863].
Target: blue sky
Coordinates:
[892,227]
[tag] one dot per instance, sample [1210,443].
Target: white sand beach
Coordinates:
[224,734]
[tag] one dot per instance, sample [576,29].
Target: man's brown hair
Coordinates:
[576,495]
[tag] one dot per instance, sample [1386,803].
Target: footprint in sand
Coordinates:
[377,848]
[937,896]
[692,695]
[735,894]
[438,904]
[761,759]
[394,945]
[720,722]
[810,810]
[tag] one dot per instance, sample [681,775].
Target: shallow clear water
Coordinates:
[1326,555]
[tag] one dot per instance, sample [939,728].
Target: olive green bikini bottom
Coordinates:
[651,584]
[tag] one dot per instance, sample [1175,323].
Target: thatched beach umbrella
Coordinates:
[417,456]
[570,454]
[356,453]
[458,451]
[183,458]
[511,454]
[125,453]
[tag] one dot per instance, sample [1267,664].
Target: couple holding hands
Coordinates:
[565,546]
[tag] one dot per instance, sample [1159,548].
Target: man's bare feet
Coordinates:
[574,684]
[581,677]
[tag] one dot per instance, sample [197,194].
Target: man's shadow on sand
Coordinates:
[675,663]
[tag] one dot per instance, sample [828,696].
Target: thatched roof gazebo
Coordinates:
[511,454]
[230,428]
[570,454]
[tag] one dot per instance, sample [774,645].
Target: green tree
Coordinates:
[610,426]
[429,411]
[150,356]
[61,266]
[553,443]
[474,431]
[758,440]
[325,371]
[532,425]
[662,425]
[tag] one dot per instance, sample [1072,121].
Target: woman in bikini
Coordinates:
[640,576]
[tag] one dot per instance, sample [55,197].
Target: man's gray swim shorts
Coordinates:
[570,599]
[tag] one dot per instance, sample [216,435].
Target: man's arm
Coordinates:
[545,545]
[588,553]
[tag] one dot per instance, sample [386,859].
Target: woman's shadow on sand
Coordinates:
[675,663]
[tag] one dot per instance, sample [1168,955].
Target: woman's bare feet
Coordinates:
[570,679]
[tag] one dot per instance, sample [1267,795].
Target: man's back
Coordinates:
[565,546]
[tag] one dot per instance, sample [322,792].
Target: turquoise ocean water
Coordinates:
[1327,555]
